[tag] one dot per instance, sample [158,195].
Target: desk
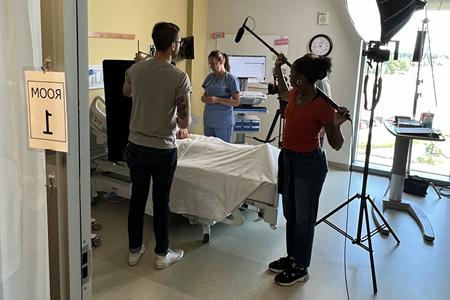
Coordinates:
[401,154]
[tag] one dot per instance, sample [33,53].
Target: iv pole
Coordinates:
[418,58]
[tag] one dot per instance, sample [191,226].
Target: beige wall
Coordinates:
[298,20]
[134,17]
[138,17]
[198,17]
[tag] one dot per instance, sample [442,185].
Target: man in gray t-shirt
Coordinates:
[158,86]
[160,101]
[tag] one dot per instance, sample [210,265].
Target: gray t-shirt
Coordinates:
[155,86]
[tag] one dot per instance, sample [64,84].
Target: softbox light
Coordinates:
[394,14]
[380,20]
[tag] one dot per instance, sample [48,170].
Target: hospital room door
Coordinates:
[64,49]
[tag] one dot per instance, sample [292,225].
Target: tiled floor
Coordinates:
[233,264]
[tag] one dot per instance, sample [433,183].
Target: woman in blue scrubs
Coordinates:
[221,94]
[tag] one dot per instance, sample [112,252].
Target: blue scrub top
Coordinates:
[219,115]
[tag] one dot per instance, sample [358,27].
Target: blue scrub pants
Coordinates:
[222,133]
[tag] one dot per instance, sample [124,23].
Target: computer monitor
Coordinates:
[248,66]
[187,48]
[118,107]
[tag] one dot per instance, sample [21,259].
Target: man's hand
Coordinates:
[140,56]
[182,134]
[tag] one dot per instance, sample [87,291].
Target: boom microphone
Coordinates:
[331,102]
[240,32]
[238,38]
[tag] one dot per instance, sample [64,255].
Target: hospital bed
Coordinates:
[213,181]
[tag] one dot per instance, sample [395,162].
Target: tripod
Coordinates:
[364,198]
[278,114]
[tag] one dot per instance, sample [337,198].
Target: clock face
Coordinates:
[321,45]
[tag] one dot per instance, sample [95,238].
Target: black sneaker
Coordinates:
[291,276]
[281,264]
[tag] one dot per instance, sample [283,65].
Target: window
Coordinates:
[398,93]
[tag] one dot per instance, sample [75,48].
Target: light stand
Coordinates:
[418,52]
[417,57]
[379,56]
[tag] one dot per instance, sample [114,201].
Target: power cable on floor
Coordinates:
[346,218]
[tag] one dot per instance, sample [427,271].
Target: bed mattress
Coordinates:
[214,177]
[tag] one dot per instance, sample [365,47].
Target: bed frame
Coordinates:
[107,177]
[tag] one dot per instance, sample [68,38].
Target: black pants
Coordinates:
[302,176]
[144,164]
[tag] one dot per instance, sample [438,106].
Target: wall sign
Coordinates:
[217,35]
[280,42]
[47,110]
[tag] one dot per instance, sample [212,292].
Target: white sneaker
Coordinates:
[172,256]
[133,258]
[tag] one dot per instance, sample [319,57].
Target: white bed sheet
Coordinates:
[214,177]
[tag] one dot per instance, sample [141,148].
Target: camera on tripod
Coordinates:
[377,54]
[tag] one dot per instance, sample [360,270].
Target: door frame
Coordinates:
[64,31]
[78,159]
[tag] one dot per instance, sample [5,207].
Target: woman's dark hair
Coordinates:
[217,54]
[313,67]
[164,34]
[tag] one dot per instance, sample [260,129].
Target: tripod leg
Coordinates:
[378,223]
[268,138]
[383,219]
[369,241]
[280,130]
[338,208]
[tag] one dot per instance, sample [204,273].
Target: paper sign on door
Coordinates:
[47,110]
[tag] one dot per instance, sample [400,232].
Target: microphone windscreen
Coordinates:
[239,35]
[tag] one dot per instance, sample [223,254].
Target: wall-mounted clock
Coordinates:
[321,45]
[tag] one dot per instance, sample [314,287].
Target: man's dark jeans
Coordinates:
[145,164]
[302,178]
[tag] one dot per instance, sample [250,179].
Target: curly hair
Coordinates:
[313,67]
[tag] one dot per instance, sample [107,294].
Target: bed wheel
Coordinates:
[205,238]
[206,232]
[96,197]
[273,226]
[96,240]
[95,225]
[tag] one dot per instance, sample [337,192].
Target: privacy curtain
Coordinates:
[24,272]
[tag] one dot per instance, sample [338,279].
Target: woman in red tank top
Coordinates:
[302,163]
